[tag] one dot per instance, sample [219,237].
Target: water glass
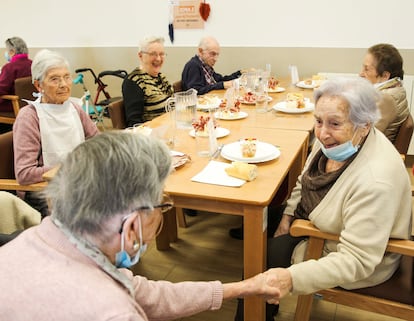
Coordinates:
[261,103]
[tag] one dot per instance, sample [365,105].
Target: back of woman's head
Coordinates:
[388,59]
[44,60]
[109,174]
[17,44]
[360,95]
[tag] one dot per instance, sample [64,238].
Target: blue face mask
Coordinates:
[341,152]
[7,56]
[122,258]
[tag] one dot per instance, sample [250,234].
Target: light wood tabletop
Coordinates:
[276,119]
[250,200]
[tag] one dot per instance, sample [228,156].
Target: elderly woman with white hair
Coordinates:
[354,184]
[49,127]
[145,90]
[106,206]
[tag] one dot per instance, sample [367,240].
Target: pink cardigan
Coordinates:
[28,161]
[44,277]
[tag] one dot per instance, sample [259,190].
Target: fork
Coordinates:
[217,152]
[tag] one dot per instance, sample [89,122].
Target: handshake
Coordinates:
[272,285]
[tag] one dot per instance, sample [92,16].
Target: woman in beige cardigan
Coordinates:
[354,184]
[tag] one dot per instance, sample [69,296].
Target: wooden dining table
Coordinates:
[251,200]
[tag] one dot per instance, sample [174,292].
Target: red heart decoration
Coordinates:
[204,10]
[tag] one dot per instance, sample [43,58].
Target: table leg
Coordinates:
[255,246]
[168,232]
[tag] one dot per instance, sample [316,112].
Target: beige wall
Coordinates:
[308,60]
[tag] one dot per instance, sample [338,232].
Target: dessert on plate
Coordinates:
[248,147]
[295,100]
[200,125]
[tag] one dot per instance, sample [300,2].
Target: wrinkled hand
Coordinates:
[266,285]
[280,279]
[284,225]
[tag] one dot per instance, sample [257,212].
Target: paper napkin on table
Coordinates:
[214,173]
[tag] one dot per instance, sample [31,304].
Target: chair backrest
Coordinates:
[178,86]
[24,88]
[117,114]
[6,155]
[403,139]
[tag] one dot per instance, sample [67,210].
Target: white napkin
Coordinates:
[214,173]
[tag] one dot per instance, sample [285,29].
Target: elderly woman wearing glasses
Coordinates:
[107,202]
[145,90]
[49,127]
[198,73]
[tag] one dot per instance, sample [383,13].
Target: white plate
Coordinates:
[301,84]
[276,90]
[264,152]
[220,132]
[213,102]
[281,106]
[226,116]
[253,102]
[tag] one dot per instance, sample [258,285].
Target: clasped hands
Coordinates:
[272,284]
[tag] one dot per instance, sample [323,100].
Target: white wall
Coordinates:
[259,23]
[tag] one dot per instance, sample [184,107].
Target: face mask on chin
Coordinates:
[341,152]
[122,258]
[7,56]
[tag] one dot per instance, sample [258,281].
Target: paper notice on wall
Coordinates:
[187,15]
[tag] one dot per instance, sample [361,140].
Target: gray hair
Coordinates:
[45,60]
[145,43]
[360,94]
[206,42]
[110,174]
[17,44]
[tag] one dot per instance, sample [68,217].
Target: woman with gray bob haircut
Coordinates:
[354,184]
[107,205]
[360,95]
[17,44]
[82,204]
[46,60]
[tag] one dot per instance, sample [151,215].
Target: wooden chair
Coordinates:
[8,181]
[178,86]
[394,297]
[117,114]
[23,89]
[402,141]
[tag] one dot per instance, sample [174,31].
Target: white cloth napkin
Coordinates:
[214,173]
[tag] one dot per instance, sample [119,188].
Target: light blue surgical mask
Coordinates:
[341,152]
[7,56]
[122,258]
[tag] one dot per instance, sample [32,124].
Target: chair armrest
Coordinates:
[306,228]
[10,97]
[12,185]
[15,102]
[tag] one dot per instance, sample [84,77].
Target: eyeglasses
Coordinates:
[56,80]
[154,54]
[212,53]
[167,205]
